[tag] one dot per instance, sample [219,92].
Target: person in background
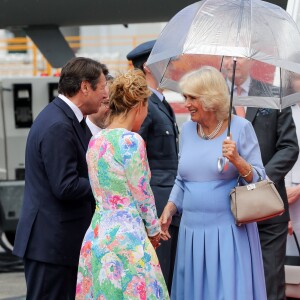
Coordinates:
[97,121]
[160,132]
[117,258]
[58,202]
[292,179]
[278,143]
[216,259]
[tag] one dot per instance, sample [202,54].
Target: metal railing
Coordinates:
[20,57]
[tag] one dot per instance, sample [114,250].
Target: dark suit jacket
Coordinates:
[58,202]
[278,142]
[160,132]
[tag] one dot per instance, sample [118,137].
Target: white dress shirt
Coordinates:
[245,89]
[157,93]
[93,127]
[74,108]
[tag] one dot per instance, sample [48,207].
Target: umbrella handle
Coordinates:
[223,162]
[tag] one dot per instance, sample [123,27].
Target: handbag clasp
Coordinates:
[251,186]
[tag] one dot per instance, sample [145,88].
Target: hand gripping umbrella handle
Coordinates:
[223,162]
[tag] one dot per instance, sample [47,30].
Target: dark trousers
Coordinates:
[166,254]
[49,281]
[273,243]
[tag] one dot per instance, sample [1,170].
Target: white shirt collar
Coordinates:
[157,93]
[74,108]
[93,127]
[245,86]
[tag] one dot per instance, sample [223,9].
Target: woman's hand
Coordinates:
[155,240]
[293,193]
[229,151]
[166,219]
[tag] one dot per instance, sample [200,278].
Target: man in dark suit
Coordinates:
[277,138]
[58,202]
[160,133]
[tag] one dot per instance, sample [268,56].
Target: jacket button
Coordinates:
[167,132]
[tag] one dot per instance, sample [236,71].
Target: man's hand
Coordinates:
[293,193]
[290,228]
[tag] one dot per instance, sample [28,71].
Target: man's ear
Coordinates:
[84,86]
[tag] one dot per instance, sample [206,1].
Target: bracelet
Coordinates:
[155,238]
[246,175]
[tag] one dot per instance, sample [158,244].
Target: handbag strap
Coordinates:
[259,175]
[297,243]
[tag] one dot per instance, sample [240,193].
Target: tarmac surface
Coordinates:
[12,279]
[12,286]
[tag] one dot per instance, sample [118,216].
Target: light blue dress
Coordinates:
[216,260]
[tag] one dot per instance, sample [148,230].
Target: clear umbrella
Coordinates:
[206,31]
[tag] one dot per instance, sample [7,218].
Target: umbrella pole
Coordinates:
[231,97]
[223,162]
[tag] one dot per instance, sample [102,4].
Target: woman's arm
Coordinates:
[138,178]
[244,168]
[166,219]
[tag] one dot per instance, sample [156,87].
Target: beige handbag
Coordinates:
[256,201]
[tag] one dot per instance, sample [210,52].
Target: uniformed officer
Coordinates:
[160,133]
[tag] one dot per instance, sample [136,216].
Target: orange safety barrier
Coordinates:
[20,57]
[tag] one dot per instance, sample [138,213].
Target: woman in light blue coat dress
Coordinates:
[215,258]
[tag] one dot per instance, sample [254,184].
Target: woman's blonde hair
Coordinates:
[209,85]
[126,92]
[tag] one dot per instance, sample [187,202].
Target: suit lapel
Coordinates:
[162,107]
[255,89]
[251,113]
[70,114]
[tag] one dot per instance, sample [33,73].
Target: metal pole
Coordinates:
[231,96]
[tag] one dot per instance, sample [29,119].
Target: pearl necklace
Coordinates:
[212,134]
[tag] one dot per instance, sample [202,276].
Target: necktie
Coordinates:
[239,90]
[86,130]
[240,110]
[83,124]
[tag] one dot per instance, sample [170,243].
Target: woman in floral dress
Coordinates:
[118,259]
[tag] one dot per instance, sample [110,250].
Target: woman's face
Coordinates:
[142,111]
[194,106]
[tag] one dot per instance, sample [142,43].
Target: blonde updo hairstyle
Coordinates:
[126,92]
[209,85]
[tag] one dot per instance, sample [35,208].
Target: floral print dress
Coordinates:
[117,260]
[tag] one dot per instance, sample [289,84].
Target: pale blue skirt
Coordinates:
[216,260]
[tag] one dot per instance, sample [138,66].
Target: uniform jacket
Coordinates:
[58,203]
[160,133]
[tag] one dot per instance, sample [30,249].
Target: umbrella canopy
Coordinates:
[205,32]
